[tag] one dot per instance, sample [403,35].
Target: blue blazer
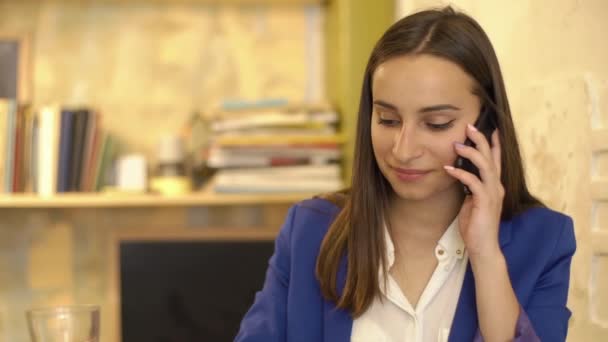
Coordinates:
[538,246]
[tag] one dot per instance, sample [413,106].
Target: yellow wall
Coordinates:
[149,65]
[554,58]
[353,27]
[146,66]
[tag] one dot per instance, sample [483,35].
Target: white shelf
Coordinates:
[94,200]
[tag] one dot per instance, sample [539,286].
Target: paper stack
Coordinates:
[276,149]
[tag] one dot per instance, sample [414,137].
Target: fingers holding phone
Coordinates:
[497,157]
[480,155]
[479,216]
[484,126]
[478,168]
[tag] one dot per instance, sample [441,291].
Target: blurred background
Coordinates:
[149,150]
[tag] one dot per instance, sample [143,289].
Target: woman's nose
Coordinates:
[406,146]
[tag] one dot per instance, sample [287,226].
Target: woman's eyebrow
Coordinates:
[428,109]
[386,105]
[437,108]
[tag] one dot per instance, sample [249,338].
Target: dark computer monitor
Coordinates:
[188,290]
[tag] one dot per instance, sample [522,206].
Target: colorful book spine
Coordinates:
[10,146]
[87,152]
[65,150]
[48,150]
[4,116]
[78,135]
[18,151]
[104,162]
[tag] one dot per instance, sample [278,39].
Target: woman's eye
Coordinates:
[388,122]
[440,127]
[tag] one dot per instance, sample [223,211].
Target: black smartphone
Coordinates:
[485,124]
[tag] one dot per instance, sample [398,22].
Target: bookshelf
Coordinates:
[93,200]
[219,2]
[65,237]
[347,48]
[205,197]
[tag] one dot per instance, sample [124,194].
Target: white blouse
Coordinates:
[395,320]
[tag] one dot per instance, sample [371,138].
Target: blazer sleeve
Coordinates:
[266,319]
[545,317]
[546,308]
[524,332]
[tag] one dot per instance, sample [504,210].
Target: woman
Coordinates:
[406,254]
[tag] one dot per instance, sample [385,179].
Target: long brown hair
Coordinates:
[356,232]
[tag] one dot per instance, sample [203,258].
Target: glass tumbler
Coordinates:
[79,323]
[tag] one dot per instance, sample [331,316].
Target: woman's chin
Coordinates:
[420,192]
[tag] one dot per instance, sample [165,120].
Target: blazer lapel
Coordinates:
[465,323]
[504,233]
[337,323]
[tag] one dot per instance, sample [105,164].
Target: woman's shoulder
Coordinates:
[538,246]
[540,217]
[537,224]
[327,204]
[309,220]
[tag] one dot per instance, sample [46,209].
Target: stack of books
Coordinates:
[52,149]
[276,149]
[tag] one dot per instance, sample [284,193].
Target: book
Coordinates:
[34,154]
[275,140]
[317,178]
[236,104]
[18,150]
[329,151]
[48,150]
[331,171]
[285,131]
[4,116]
[65,151]
[271,156]
[87,152]
[9,151]
[105,161]
[262,161]
[79,128]
[22,148]
[28,150]
[93,161]
[275,119]
[246,107]
[233,187]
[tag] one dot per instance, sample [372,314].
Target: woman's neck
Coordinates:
[424,220]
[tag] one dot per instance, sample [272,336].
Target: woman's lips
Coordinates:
[410,174]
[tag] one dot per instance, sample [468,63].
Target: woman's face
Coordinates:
[421,106]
